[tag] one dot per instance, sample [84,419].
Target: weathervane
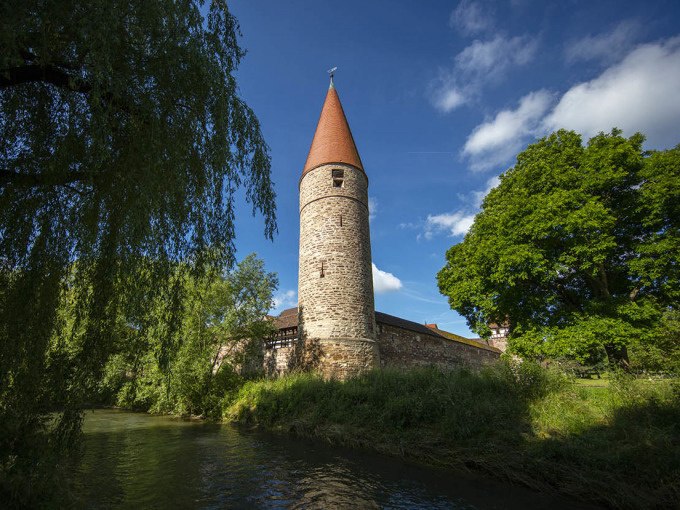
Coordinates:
[332,72]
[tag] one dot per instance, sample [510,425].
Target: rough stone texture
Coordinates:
[335,243]
[400,343]
[400,347]
[246,357]
[277,361]
[499,342]
[336,358]
[340,358]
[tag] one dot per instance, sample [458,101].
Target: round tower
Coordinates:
[336,315]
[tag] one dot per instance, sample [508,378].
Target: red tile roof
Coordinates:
[287,319]
[333,141]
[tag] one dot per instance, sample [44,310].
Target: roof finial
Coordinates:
[332,72]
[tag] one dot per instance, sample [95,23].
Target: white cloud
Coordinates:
[478,196]
[384,282]
[479,64]
[607,47]
[284,299]
[638,94]
[496,141]
[491,59]
[372,208]
[470,18]
[447,99]
[455,223]
[409,225]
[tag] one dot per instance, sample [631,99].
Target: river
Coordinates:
[134,460]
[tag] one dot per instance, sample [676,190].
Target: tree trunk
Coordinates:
[617,355]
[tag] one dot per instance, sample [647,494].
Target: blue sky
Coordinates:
[441,96]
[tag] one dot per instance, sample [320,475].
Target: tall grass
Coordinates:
[618,445]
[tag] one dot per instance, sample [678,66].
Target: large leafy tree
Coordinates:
[221,333]
[123,139]
[577,247]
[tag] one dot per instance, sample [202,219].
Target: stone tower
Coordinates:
[336,315]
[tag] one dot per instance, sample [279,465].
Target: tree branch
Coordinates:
[567,297]
[603,280]
[34,73]
[634,293]
[33,180]
[54,75]
[29,57]
[598,283]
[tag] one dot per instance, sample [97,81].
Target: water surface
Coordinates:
[135,460]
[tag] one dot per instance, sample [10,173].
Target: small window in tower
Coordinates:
[338,178]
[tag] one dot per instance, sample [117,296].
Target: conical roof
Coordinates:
[333,141]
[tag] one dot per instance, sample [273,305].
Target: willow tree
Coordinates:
[123,138]
[578,247]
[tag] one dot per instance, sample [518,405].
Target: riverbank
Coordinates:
[618,446]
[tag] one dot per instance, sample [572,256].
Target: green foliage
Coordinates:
[123,143]
[615,446]
[472,406]
[660,350]
[660,207]
[220,335]
[577,247]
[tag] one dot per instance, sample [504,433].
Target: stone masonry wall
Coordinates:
[500,342]
[334,238]
[279,361]
[395,347]
[336,358]
[404,348]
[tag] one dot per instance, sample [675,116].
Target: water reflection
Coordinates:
[140,461]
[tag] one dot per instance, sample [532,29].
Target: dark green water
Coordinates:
[139,461]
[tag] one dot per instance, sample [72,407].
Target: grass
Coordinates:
[616,445]
[593,383]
